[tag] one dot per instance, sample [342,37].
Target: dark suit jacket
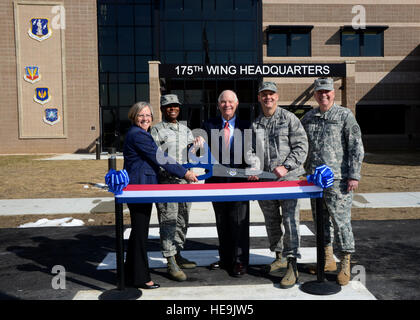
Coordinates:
[217,123]
[140,158]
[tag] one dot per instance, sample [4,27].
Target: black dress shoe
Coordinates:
[152,286]
[215,266]
[238,270]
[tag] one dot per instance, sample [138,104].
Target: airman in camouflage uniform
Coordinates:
[173,137]
[335,140]
[285,147]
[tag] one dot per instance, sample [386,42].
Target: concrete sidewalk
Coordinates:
[201,212]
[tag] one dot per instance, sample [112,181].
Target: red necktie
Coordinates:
[227,134]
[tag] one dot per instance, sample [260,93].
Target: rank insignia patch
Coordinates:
[32,74]
[39,29]
[51,116]
[41,95]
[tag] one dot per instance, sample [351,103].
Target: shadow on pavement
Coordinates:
[78,253]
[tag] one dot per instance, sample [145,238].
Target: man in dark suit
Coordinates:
[232,218]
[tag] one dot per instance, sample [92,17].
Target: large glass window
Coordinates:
[125,45]
[373,43]
[277,45]
[300,44]
[209,31]
[350,44]
[362,42]
[133,32]
[284,41]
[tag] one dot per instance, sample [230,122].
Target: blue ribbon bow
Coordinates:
[116,180]
[323,177]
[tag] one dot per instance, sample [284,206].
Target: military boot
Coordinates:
[291,276]
[343,276]
[184,263]
[330,264]
[278,263]
[174,271]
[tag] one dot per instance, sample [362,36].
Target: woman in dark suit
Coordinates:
[142,166]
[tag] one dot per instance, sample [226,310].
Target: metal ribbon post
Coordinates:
[324,178]
[116,181]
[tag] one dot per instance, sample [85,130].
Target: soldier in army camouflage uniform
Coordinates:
[285,147]
[335,140]
[173,137]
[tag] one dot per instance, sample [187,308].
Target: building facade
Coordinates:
[71,69]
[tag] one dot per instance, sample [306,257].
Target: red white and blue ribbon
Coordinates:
[118,183]
[275,190]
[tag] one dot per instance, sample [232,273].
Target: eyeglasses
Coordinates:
[144,116]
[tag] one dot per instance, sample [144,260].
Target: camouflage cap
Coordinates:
[271,86]
[324,84]
[169,99]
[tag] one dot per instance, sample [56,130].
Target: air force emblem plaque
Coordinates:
[32,74]
[39,29]
[51,116]
[42,95]
[232,172]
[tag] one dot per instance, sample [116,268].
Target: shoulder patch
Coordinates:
[355,130]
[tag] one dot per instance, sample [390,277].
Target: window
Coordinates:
[367,42]
[285,41]
[133,32]
[125,44]
[211,31]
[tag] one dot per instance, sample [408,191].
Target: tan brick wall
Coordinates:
[8,102]
[402,41]
[393,77]
[81,82]
[390,78]
[333,12]
[325,42]
[388,91]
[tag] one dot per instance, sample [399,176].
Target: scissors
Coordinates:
[214,168]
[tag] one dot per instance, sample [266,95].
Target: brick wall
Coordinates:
[392,77]
[81,82]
